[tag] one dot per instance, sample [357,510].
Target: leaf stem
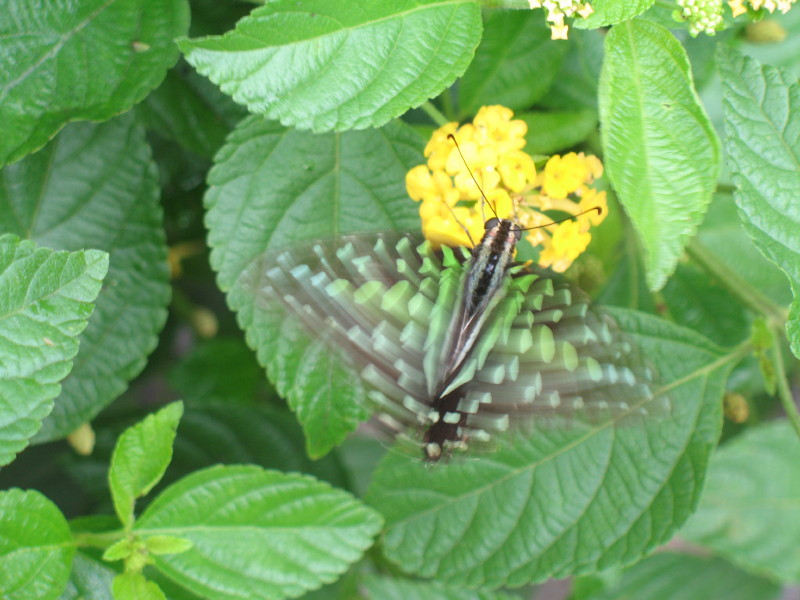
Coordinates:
[433,112]
[784,391]
[738,286]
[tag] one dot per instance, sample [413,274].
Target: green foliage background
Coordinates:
[152,149]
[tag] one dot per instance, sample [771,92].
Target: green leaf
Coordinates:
[188,109]
[514,65]
[258,534]
[140,458]
[219,370]
[723,235]
[259,435]
[134,586]
[119,550]
[750,511]
[762,105]
[395,588]
[626,286]
[88,60]
[325,65]
[96,186]
[36,546]
[697,301]
[550,132]
[47,298]
[296,185]
[565,501]
[89,579]
[167,544]
[660,150]
[575,87]
[671,576]
[611,12]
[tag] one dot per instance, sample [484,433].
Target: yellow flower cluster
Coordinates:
[558,10]
[739,7]
[452,208]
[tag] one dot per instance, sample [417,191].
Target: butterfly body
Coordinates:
[450,346]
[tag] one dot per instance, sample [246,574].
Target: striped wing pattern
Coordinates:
[384,303]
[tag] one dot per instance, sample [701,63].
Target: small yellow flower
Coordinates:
[737,7]
[567,243]
[563,175]
[517,170]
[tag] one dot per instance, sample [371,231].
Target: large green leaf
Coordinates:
[515,64]
[257,435]
[553,131]
[89,578]
[563,501]
[750,511]
[46,300]
[189,109]
[35,547]
[697,301]
[395,588]
[273,187]
[575,87]
[660,149]
[333,65]
[762,121]
[68,60]
[140,458]
[258,534]
[96,186]
[671,576]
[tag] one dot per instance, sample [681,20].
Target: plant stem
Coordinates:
[784,391]
[98,540]
[433,112]
[738,286]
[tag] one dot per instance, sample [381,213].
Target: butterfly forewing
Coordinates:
[390,307]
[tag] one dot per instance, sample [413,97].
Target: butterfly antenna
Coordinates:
[471,174]
[583,212]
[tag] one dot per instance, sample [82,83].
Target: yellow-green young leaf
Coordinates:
[96,186]
[514,65]
[140,458]
[36,547]
[296,185]
[119,550]
[46,299]
[258,534]
[65,61]
[660,149]
[762,120]
[166,544]
[133,586]
[750,511]
[334,64]
[670,576]
[561,502]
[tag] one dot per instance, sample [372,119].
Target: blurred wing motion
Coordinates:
[386,304]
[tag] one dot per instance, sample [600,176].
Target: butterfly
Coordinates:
[454,345]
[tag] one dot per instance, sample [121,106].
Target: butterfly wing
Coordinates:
[383,304]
